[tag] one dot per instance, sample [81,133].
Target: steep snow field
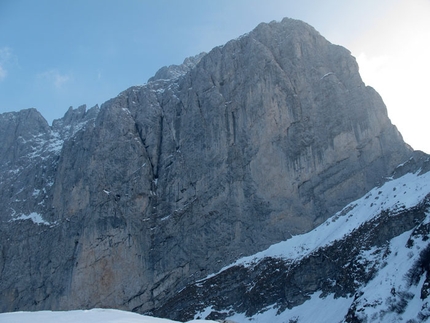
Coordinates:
[379,301]
[401,193]
[389,296]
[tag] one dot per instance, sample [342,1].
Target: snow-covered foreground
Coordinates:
[90,316]
[379,301]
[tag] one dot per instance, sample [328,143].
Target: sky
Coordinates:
[56,54]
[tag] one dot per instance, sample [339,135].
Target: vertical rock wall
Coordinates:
[260,139]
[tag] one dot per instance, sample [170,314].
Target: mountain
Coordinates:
[369,262]
[251,144]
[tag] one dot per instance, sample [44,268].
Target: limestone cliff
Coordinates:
[369,262]
[239,148]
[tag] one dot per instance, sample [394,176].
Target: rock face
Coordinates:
[380,268]
[258,140]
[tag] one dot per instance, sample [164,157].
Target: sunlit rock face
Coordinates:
[257,140]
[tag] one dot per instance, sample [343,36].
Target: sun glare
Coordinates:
[393,58]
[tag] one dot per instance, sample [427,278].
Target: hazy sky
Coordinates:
[60,53]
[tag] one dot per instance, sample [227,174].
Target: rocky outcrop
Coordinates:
[258,140]
[175,71]
[378,266]
[338,269]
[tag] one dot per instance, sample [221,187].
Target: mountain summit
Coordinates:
[124,205]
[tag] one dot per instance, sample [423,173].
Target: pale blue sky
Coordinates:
[60,53]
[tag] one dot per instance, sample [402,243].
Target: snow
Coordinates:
[45,144]
[327,74]
[33,216]
[379,291]
[317,309]
[82,316]
[410,189]
[41,146]
[379,302]
[165,218]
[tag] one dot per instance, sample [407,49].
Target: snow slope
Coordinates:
[391,295]
[378,301]
[90,316]
[401,193]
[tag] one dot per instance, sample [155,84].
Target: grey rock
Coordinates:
[74,120]
[174,71]
[337,269]
[259,139]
